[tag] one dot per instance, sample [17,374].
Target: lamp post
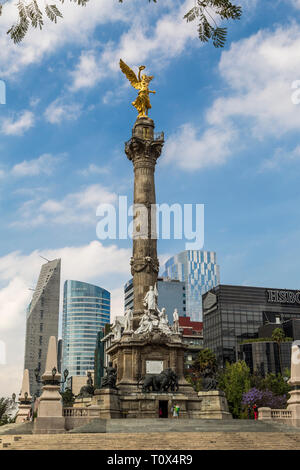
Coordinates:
[53,381]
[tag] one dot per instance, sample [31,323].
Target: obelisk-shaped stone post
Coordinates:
[24,399]
[50,412]
[143,149]
[294,382]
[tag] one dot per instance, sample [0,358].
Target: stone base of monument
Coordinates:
[23,413]
[107,401]
[50,418]
[214,405]
[148,405]
[81,402]
[294,407]
[49,425]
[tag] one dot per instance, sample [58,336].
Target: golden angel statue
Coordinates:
[141,83]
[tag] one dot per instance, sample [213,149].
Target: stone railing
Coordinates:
[281,414]
[76,412]
[269,413]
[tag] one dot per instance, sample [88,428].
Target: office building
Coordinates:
[266,357]
[192,336]
[171,295]
[86,310]
[200,272]
[233,314]
[42,321]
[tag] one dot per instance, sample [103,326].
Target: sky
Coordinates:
[231,120]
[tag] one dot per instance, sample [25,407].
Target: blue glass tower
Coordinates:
[200,272]
[86,310]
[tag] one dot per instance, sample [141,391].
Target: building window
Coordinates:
[41,340]
[41,327]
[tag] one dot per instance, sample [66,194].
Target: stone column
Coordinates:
[24,399]
[143,149]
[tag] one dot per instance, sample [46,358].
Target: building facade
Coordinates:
[200,272]
[267,357]
[42,321]
[192,336]
[171,295]
[233,314]
[86,310]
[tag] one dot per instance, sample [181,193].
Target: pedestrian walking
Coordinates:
[255,410]
[249,412]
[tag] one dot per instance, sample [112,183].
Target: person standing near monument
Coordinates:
[255,410]
[175,410]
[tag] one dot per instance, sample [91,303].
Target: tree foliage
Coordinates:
[29,14]
[207,13]
[262,398]
[206,359]
[234,380]
[4,405]
[68,397]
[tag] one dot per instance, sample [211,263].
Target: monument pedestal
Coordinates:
[23,413]
[294,406]
[107,401]
[214,405]
[81,402]
[50,418]
[136,356]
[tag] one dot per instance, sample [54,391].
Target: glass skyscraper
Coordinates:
[86,310]
[200,272]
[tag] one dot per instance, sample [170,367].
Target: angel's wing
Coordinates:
[129,74]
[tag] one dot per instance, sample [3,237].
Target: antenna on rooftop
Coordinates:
[44,258]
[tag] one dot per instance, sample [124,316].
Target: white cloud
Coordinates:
[260,71]
[75,208]
[280,157]
[59,111]
[94,170]
[76,28]
[42,165]
[140,43]
[87,72]
[18,126]
[191,152]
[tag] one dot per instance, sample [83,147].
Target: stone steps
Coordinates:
[155,441]
[181,425]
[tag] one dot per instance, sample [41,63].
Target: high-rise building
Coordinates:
[42,321]
[86,310]
[200,272]
[232,315]
[171,295]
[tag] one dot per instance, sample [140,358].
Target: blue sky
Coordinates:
[231,133]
